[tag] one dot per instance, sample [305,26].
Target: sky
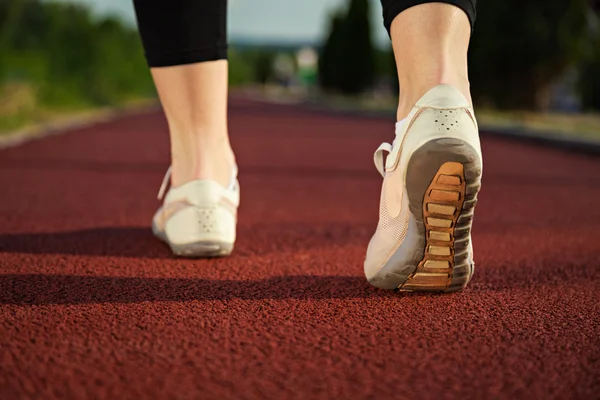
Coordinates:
[265,20]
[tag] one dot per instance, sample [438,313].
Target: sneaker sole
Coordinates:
[199,249]
[442,181]
[203,249]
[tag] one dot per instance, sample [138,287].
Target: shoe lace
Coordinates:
[165,184]
[378,157]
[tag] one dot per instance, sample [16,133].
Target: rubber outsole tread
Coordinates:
[457,163]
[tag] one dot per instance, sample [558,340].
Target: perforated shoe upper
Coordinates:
[200,210]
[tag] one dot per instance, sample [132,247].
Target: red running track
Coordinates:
[92,306]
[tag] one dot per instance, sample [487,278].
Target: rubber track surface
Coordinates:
[92,306]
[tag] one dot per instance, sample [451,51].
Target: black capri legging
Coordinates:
[179,32]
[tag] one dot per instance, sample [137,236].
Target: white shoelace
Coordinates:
[387,148]
[378,156]
[165,184]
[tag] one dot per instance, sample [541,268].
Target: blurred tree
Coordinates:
[240,68]
[589,74]
[330,60]
[68,57]
[519,49]
[385,68]
[10,13]
[589,84]
[263,66]
[347,61]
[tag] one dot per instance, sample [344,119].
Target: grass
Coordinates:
[21,110]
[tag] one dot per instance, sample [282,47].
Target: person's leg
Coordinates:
[432,173]
[186,48]
[430,45]
[194,98]
[430,41]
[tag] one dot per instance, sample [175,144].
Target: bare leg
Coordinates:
[185,43]
[194,98]
[430,44]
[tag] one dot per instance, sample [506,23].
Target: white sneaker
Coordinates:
[198,219]
[431,179]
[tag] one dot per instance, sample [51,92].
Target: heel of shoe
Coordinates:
[201,232]
[202,249]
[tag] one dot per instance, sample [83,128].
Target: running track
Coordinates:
[92,306]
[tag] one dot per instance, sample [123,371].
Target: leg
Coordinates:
[194,98]
[186,47]
[433,171]
[430,44]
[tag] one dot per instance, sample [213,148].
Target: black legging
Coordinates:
[177,32]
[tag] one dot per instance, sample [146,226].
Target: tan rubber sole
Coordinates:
[443,178]
[442,206]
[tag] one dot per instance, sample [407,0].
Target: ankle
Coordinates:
[201,157]
[411,93]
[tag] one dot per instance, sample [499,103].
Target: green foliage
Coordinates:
[57,55]
[589,72]
[385,68]
[69,58]
[519,48]
[263,66]
[331,54]
[589,85]
[250,64]
[347,61]
[240,70]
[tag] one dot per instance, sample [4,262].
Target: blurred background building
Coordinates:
[64,56]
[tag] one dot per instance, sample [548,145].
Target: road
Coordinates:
[92,306]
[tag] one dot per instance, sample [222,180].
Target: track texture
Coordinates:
[92,306]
